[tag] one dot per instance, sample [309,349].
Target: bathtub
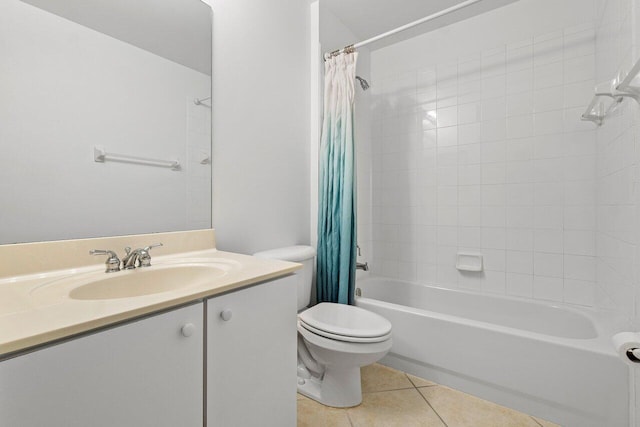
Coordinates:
[550,361]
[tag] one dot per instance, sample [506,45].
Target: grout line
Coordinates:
[412,383]
[434,409]
[417,386]
[535,421]
[349,418]
[391,389]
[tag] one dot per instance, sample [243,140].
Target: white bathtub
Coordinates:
[549,361]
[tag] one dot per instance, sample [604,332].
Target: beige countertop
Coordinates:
[36,308]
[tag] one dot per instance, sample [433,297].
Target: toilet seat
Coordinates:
[345,323]
[342,337]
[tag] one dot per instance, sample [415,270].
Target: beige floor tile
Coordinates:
[313,414]
[398,408]
[377,377]
[420,382]
[302,397]
[544,423]
[459,409]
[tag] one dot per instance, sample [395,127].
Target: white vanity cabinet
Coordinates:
[152,372]
[145,373]
[251,356]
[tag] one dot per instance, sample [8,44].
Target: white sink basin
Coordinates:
[134,283]
[145,282]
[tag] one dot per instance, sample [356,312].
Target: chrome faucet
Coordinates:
[112,263]
[138,257]
[130,260]
[362,266]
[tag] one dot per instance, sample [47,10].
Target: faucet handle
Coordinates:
[145,256]
[147,248]
[112,263]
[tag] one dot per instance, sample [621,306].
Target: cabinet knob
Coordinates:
[188,329]
[226,315]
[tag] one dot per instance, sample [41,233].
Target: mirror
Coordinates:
[105,118]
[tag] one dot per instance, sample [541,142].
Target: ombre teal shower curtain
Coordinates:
[336,259]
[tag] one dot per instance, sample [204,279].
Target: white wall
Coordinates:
[478,146]
[66,88]
[260,124]
[618,163]
[617,169]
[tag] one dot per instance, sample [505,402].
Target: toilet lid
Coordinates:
[345,320]
[342,337]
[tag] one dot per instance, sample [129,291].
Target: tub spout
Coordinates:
[362,266]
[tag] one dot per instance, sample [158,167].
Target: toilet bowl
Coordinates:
[340,339]
[334,340]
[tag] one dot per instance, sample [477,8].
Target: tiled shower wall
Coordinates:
[618,159]
[617,168]
[478,147]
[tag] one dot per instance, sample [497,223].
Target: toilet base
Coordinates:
[339,387]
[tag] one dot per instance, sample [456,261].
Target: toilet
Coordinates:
[334,340]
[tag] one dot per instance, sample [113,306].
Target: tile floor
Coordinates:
[392,398]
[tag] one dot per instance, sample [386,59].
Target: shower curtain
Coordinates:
[336,260]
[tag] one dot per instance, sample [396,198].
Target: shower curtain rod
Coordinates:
[353,47]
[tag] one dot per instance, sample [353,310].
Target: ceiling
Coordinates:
[179,30]
[368,18]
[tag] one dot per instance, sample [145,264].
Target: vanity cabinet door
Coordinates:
[251,356]
[144,373]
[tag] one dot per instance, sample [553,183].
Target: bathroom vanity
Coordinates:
[220,352]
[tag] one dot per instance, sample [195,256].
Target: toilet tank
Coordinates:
[304,255]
